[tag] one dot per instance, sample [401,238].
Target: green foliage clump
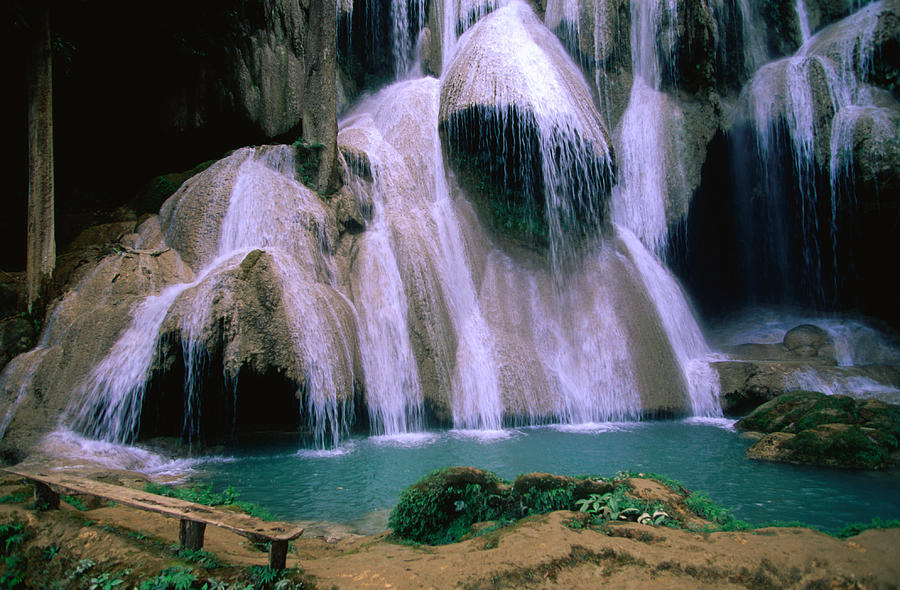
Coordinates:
[14,498]
[204,558]
[208,497]
[535,501]
[12,536]
[308,157]
[700,504]
[853,529]
[444,504]
[173,578]
[74,502]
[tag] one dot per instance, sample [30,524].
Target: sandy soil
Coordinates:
[539,552]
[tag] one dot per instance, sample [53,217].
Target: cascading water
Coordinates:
[420,314]
[407,20]
[803,20]
[684,334]
[534,118]
[813,102]
[648,175]
[266,209]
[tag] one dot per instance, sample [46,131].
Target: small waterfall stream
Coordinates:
[646,128]
[814,101]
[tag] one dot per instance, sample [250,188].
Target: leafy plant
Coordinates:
[853,529]
[204,558]
[14,498]
[701,505]
[13,574]
[612,505]
[74,502]
[12,536]
[83,566]
[51,552]
[173,578]
[105,581]
[263,575]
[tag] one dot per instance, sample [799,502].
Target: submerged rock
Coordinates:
[835,431]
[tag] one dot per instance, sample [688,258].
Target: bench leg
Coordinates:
[44,497]
[278,554]
[191,535]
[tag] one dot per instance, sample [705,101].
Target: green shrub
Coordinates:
[173,578]
[853,529]
[443,505]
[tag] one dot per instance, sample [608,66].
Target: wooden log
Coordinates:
[44,497]
[278,554]
[190,535]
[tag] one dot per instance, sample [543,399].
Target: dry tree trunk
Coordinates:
[41,253]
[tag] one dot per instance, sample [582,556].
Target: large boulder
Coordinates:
[807,340]
[838,431]
[517,118]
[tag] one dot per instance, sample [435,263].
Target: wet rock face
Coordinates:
[782,27]
[518,120]
[836,431]
[17,334]
[808,341]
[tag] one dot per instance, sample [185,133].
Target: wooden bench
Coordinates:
[193,517]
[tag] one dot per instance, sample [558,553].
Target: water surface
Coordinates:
[366,474]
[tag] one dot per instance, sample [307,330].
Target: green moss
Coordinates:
[510,209]
[831,430]
[847,447]
[308,158]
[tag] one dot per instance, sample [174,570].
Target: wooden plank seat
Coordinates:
[194,517]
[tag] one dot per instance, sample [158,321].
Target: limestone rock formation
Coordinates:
[516,113]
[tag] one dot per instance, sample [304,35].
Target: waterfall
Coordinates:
[266,209]
[647,173]
[417,185]
[817,98]
[802,20]
[392,292]
[405,27]
[679,323]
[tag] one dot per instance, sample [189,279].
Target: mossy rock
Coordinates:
[840,445]
[797,410]
[541,482]
[838,431]
[442,506]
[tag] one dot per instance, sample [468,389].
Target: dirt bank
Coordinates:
[547,551]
